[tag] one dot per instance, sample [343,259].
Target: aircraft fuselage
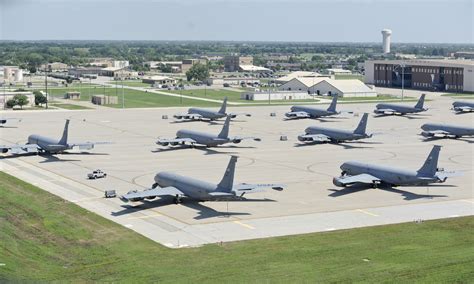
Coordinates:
[389,175]
[397,108]
[335,134]
[313,111]
[206,113]
[47,144]
[451,129]
[192,188]
[202,138]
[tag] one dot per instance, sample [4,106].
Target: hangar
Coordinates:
[321,86]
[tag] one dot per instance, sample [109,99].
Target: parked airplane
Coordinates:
[313,112]
[41,144]
[391,109]
[461,107]
[444,130]
[177,186]
[356,172]
[201,113]
[323,134]
[210,140]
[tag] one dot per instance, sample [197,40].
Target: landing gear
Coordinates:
[177,199]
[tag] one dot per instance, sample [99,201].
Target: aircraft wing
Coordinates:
[437,133]
[243,188]
[87,145]
[175,141]
[235,114]
[151,193]
[187,116]
[314,138]
[20,149]
[385,111]
[297,114]
[238,138]
[464,108]
[362,178]
[443,175]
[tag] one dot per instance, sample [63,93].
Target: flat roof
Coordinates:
[428,62]
[298,74]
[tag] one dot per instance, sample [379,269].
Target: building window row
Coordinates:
[453,87]
[383,68]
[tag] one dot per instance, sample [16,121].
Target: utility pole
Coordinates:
[123,96]
[403,78]
[46,86]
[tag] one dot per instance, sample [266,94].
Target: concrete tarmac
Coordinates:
[311,203]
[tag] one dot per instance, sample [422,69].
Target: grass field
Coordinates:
[44,238]
[218,94]
[133,98]
[468,96]
[131,83]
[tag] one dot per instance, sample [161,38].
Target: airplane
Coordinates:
[41,144]
[392,109]
[177,186]
[312,112]
[357,172]
[323,134]
[209,140]
[461,107]
[202,113]
[443,130]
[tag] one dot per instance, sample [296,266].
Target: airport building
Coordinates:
[326,86]
[232,62]
[423,74]
[54,67]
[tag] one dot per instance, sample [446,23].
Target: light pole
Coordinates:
[123,96]
[403,78]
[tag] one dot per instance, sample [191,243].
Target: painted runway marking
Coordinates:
[244,225]
[367,212]
[144,217]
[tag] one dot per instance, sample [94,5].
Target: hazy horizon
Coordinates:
[303,21]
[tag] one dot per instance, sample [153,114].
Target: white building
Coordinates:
[337,71]
[275,96]
[12,74]
[326,86]
[296,74]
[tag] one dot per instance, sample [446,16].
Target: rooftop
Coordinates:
[428,62]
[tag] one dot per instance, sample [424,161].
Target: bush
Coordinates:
[11,103]
[39,98]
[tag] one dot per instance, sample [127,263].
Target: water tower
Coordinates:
[386,33]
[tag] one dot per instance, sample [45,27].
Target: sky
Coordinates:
[417,21]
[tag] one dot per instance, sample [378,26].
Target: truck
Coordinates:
[96,174]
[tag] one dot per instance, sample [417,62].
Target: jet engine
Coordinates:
[237,141]
[338,183]
[174,143]
[426,134]
[163,143]
[232,115]
[3,121]
[303,139]
[4,150]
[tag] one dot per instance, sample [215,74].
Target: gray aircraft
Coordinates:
[356,172]
[393,109]
[41,144]
[461,107]
[312,112]
[207,114]
[177,186]
[210,140]
[435,130]
[332,135]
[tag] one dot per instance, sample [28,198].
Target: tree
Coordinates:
[11,103]
[40,99]
[20,100]
[198,72]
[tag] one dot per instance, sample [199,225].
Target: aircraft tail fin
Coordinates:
[227,181]
[225,130]
[361,128]
[332,106]
[420,102]
[63,140]
[224,106]
[430,166]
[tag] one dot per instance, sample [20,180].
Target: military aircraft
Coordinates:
[210,140]
[323,134]
[443,130]
[177,186]
[461,107]
[356,172]
[207,114]
[393,109]
[41,144]
[312,112]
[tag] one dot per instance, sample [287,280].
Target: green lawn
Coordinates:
[133,98]
[69,106]
[131,83]
[459,95]
[44,238]
[377,98]
[218,94]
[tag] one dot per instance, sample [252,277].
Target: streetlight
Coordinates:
[402,66]
[123,96]
[46,86]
